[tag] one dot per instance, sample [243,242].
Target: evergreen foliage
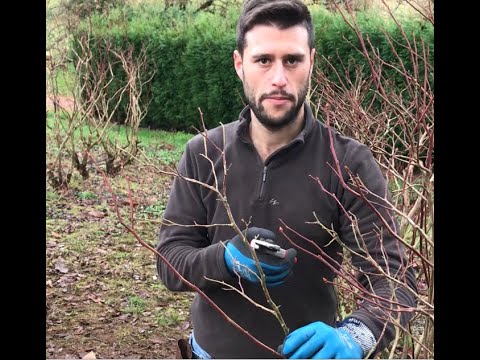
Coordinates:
[191,55]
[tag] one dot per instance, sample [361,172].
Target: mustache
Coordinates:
[278,93]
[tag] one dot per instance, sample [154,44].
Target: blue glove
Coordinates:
[320,341]
[239,259]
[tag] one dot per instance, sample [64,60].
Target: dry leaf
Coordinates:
[97,214]
[94,298]
[185,325]
[60,266]
[90,355]
[128,202]
[56,235]
[158,340]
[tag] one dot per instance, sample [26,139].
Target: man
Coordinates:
[271,153]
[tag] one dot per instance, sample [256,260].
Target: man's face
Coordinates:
[275,69]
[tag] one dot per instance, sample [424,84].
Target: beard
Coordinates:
[275,123]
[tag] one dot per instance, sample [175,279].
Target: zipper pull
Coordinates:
[264,173]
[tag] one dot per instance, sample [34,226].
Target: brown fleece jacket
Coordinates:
[281,188]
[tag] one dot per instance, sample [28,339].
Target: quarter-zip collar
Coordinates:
[245,118]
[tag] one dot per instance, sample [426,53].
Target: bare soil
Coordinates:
[65,102]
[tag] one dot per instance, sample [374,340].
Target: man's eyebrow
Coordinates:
[298,56]
[260,56]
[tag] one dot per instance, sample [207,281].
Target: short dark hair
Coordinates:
[280,13]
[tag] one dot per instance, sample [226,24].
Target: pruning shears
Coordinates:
[269,247]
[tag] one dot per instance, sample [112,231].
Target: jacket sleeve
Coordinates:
[373,238]
[188,249]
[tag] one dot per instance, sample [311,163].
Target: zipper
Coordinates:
[268,161]
[264,177]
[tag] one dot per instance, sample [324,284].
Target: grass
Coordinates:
[81,238]
[136,305]
[54,225]
[160,147]
[121,255]
[86,195]
[168,317]
[156,210]
[149,137]
[65,80]
[157,144]
[52,196]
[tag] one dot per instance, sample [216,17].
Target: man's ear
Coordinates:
[312,59]
[238,62]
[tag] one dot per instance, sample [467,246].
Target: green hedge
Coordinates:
[193,61]
[337,41]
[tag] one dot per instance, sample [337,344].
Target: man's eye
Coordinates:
[263,61]
[292,61]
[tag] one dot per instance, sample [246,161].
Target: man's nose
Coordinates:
[279,76]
